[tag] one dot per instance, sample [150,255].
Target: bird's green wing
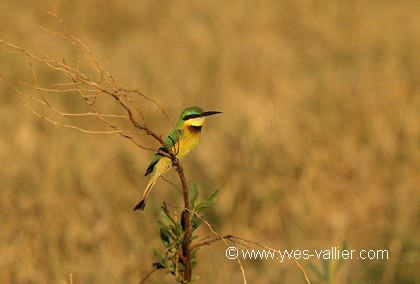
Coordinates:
[171,140]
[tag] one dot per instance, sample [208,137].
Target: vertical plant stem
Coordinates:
[186,250]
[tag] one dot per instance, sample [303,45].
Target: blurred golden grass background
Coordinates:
[319,142]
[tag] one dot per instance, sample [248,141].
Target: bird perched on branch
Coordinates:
[182,139]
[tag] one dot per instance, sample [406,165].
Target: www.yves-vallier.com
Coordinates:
[333,253]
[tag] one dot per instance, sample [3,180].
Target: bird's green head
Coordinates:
[194,116]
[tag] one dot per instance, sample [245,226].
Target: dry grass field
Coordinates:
[318,144]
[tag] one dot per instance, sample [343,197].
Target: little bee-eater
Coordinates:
[182,139]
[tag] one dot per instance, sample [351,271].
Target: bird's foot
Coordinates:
[175,161]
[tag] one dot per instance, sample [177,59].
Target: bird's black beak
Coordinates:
[207,113]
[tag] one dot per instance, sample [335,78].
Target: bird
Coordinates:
[181,140]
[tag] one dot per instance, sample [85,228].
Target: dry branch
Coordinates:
[84,86]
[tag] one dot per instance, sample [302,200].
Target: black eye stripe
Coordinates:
[190,116]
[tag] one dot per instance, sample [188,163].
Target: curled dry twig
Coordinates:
[234,239]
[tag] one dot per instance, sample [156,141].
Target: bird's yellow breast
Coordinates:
[189,140]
